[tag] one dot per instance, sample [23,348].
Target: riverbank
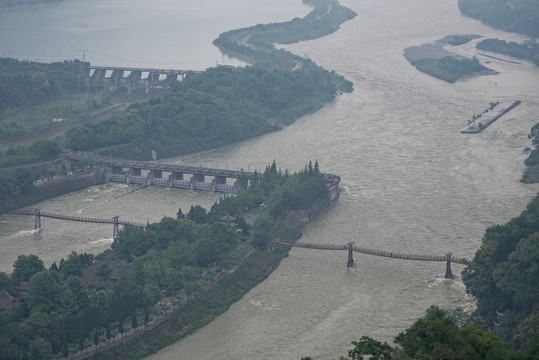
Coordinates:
[54,188]
[256,44]
[433,59]
[255,269]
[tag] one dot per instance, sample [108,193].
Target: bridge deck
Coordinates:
[32,212]
[375,252]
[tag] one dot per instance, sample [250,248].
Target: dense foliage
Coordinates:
[533,157]
[437,336]
[503,277]
[63,314]
[520,16]
[531,174]
[527,50]
[256,44]
[219,106]
[28,82]
[449,68]
[19,182]
[39,150]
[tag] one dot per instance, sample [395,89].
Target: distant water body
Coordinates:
[175,34]
[411,183]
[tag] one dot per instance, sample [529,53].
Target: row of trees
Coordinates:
[527,50]
[517,16]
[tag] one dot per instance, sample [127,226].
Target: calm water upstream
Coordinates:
[412,183]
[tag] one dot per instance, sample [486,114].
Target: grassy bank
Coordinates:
[199,313]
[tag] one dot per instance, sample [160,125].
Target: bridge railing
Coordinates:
[375,252]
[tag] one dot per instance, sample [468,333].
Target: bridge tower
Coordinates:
[350,261]
[116,227]
[37,220]
[448,272]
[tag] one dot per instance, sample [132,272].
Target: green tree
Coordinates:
[75,296]
[262,230]
[372,349]
[519,274]
[26,266]
[72,266]
[44,290]
[482,344]
[40,349]
[179,214]
[435,330]
[197,214]
[6,282]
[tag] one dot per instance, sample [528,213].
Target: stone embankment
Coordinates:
[490,115]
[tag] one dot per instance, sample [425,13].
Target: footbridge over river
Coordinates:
[350,247]
[448,258]
[38,214]
[132,79]
[168,174]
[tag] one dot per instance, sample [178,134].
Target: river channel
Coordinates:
[411,183]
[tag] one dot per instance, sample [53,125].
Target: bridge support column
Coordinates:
[237,185]
[218,180]
[116,228]
[448,272]
[37,220]
[350,261]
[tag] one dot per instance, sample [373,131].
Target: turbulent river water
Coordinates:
[411,183]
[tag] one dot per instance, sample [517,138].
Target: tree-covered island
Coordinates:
[436,61]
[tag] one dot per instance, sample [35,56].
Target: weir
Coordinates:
[115,78]
[169,175]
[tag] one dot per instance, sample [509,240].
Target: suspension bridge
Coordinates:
[350,247]
[448,257]
[38,214]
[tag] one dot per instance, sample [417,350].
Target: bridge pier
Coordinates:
[448,272]
[350,261]
[37,220]
[116,227]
